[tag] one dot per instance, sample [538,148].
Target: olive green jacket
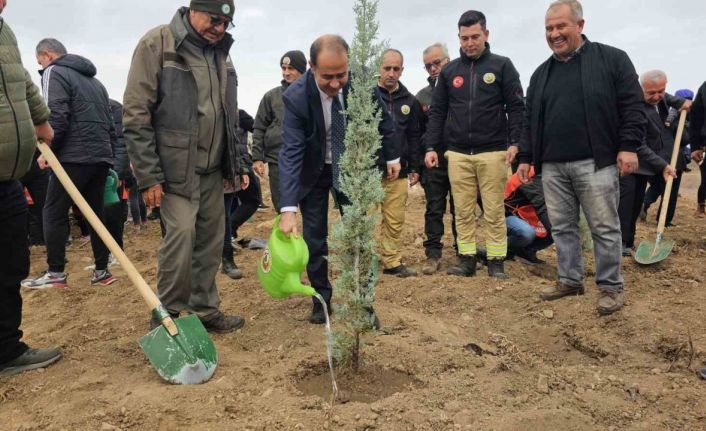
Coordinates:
[267,137]
[21,108]
[160,117]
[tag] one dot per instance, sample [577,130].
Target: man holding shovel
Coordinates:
[585,113]
[181,122]
[25,119]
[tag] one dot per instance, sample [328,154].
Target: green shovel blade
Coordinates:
[652,252]
[188,358]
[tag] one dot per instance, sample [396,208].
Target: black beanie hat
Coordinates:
[296,59]
[219,7]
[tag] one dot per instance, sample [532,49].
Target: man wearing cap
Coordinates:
[267,138]
[181,122]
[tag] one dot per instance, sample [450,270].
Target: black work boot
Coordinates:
[229,268]
[466,266]
[222,323]
[496,268]
[318,316]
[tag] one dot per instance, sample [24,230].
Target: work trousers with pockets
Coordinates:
[393,210]
[191,249]
[487,173]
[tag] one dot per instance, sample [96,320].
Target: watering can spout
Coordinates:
[282,264]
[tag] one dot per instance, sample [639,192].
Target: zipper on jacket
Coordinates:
[12,108]
[471,94]
[213,104]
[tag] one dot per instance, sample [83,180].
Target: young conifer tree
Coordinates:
[353,238]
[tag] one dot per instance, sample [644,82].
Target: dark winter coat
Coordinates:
[84,131]
[614,106]
[267,137]
[697,123]
[122,162]
[406,112]
[424,97]
[479,103]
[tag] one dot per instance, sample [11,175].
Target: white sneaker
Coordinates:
[46,281]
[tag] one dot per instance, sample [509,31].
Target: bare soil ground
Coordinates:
[454,354]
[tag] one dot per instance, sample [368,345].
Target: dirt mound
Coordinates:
[454,354]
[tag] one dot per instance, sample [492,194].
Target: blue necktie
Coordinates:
[338,133]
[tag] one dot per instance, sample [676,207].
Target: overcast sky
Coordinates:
[669,35]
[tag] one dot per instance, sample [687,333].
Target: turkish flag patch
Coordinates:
[458,82]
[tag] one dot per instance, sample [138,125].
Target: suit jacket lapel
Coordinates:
[317,110]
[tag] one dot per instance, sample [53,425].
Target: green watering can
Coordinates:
[282,264]
[110,194]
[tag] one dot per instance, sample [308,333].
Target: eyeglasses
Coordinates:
[391,68]
[438,62]
[217,21]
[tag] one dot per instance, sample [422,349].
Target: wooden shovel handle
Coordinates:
[670,180]
[134,276]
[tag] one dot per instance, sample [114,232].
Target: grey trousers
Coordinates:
[568,187]
[191,249]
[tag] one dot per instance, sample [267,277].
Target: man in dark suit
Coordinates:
[313,133]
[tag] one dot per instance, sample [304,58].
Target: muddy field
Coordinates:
[453,354]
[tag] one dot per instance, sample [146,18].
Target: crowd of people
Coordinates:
[587,138]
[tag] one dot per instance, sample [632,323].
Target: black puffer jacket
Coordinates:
[122,161]
[406,112]
[479,103]
[80,111]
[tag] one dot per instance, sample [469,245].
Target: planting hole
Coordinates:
[371,383]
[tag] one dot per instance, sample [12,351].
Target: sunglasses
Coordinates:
[217,21]
[436,63]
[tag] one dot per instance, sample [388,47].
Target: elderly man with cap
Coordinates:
[267,138]
[181,122]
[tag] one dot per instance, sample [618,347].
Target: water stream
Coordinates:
[329,352]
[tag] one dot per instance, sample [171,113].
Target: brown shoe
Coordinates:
[701,210]
[560,290]
[432,265]
[610,302]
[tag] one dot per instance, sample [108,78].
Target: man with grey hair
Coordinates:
[576,129]
[84,138]
[181,128]
[435,180]
[654,155]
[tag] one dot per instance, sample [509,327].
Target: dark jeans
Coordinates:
[90,181]
[36,183]
[701,196]
[436,188]
[656,190]
[239,208]
[632,195]
[314,208]
[273,169]
[14,267]
[138,209]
